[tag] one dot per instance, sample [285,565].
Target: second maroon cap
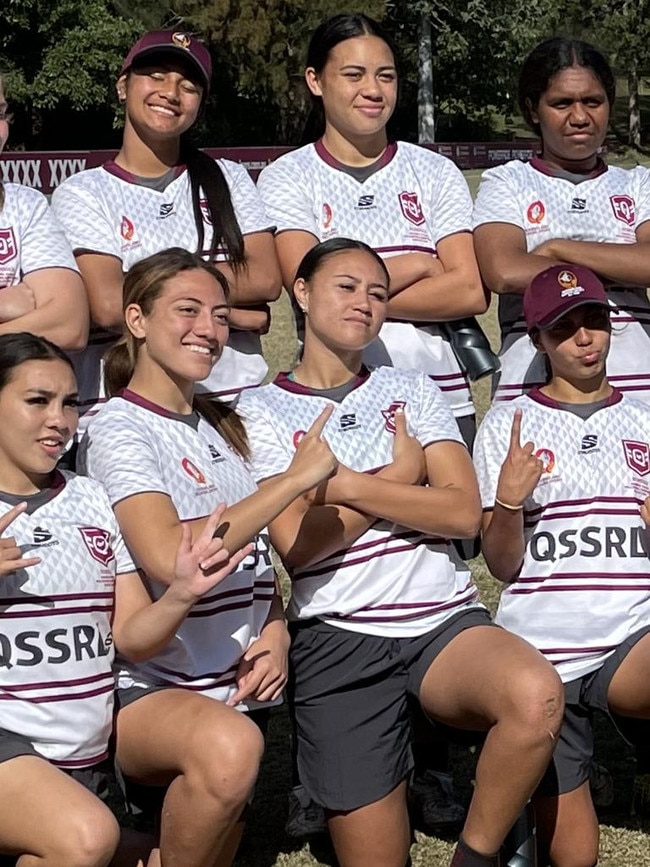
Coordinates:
[174,42]
[554,292]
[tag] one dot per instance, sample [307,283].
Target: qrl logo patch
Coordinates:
[411,208]
[98,543]
[8,247]
[637,456]
[623,207]
[389,414]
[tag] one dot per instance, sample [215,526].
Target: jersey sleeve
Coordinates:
[490,450]
[434,421]
[81,212]
[450,201]
[286,197]
[497,199]
[269,456]
[249,208]
[118,454]
[42,240]
[643,205]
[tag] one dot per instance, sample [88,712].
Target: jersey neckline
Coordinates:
[539,397]
[124,175]
[283,381]
[380,163]
[138,400]
[540,166]
[38,499]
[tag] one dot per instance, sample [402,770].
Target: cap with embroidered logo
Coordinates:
[175,42]
[554,292]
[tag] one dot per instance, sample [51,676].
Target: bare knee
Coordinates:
[225,762]
[89,839]
[537,702]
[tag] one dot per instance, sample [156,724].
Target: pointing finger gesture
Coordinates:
[521,470]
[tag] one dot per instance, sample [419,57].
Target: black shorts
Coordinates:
[349,692]
[140,798]
[573,754]
[96,778]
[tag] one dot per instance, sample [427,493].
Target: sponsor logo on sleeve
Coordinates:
[98,543]
[637,456]
[411,208]
[624,210]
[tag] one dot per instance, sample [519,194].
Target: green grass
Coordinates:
[625,841]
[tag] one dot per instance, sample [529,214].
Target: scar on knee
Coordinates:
[550,707]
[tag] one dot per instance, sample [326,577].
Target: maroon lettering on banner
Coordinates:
[45,170]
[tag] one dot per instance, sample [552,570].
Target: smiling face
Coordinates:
[38,415]
[186,330]
[163,97]
[345,301]
[573,114]
[358,86]
[577,345]
[4,123]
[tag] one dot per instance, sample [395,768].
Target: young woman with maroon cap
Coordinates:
[563,473]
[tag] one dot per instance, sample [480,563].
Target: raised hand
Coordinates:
[521,470]
[11,557]
[314,460]
[204,563]
[409,465]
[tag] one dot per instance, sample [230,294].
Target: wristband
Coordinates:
[508,506]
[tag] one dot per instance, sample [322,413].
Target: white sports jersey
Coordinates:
[135,447]
[392,581]
[414,200]
[56,646]
[607,208]
[584,585]
[30,236]
[104,210]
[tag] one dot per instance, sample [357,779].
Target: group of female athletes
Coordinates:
[141,617]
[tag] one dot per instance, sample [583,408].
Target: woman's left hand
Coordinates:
[262,670]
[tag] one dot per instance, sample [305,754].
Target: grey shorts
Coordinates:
[96,778]
[573,754]
[349,693]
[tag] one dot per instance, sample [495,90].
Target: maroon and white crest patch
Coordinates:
[389,414]
[411,208]
[637,456]
[98,544]
[205,211]
[8,247]
[624,210]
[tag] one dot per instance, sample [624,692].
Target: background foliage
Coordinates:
[61,58]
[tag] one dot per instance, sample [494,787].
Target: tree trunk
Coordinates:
[426,129]
[634,107]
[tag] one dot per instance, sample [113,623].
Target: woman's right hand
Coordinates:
[408,465]
[521,470]
[11,557]
[314,460]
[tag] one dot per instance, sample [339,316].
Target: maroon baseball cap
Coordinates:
[175,42]
[554,292]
